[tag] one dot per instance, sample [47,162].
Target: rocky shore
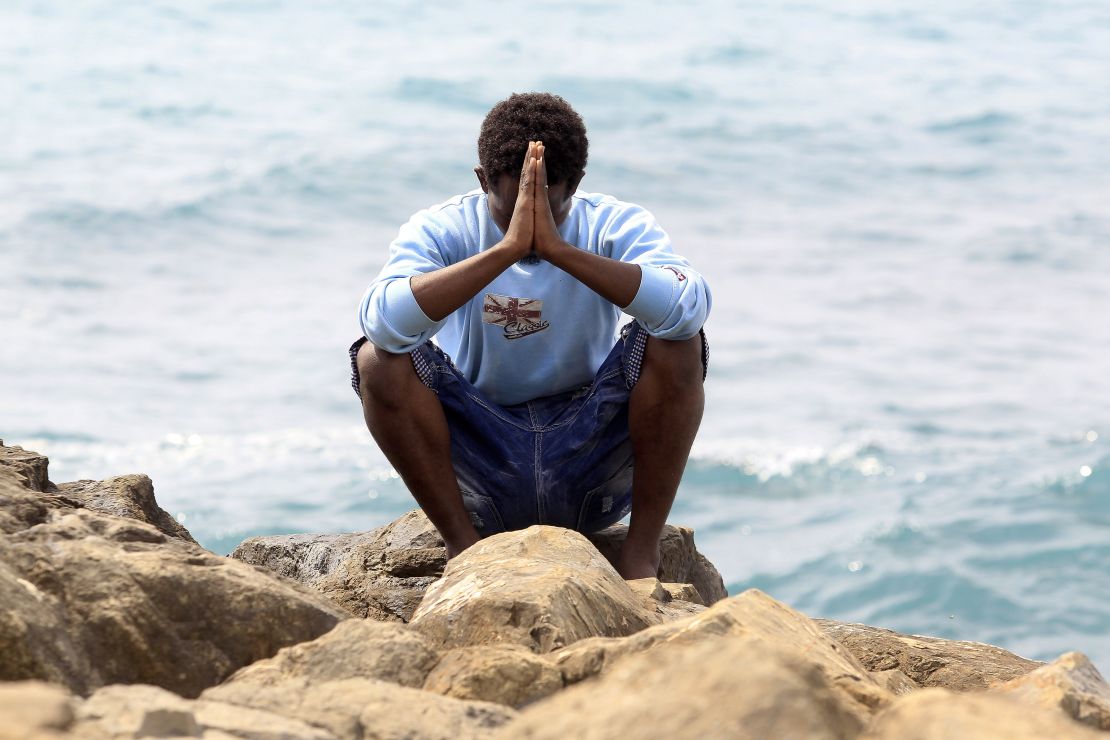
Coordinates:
[115,623]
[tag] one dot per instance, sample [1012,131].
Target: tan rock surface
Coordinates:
[722,686]
[130,496]
[684,592]
[34,710]
[541,587]
[366,709]
[894,681]
[751,615]
[92,599]
[30,468]
[929,661]
[504,674]
[140,711]
[1071,684]
[940,714]
[656,597]
[356,648]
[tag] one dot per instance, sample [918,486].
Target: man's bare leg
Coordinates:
[407,421]
[664,413]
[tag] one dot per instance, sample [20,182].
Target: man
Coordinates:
[527,412]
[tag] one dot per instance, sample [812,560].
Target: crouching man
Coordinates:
[533,407]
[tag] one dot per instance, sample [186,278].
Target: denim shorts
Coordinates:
[564,460]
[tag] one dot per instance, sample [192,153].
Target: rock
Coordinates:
[722,686]
[929,661]
[33,709]
[751,615]
[541,587]
[504,674]
[683,592]
[92,599]
[30,468]
[361,708]
[356,648]
[656,597]
[130,496]
[649,589]
[1071,684]
[22,507]
[680,561]
[218,720]
[140,711]
[940,714]
[136,711]
[894,681]
[382,574]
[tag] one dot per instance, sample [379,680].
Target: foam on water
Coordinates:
[902,213]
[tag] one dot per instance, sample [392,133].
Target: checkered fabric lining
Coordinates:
[423,369]
[419,362]
[636,356]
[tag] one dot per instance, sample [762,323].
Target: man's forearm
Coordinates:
[615,281]
[441,292]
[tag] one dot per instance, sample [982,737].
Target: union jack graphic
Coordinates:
[519,316]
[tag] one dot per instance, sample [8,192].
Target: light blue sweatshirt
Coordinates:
[535,330]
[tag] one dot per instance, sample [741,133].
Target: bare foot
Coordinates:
[633,565]
[456,547]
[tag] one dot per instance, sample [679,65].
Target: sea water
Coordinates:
[903,210]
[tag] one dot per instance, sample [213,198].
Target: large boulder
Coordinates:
[92,599]
[356,648]
[1071,684]
[540,587]
[939,714]
[382,574]
[365,709]
[130,496]
[140,711]
[30,468]
[929,661]
[361,680]
[722,686]
[752,615]
[506,674]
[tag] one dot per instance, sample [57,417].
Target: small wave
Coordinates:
[88,457]
[988,120]
[745,464]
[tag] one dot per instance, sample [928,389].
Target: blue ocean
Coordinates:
[903,210]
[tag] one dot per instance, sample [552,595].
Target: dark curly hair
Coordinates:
[524,117]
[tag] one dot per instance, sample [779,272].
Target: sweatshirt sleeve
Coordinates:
[389,314]
[673,300]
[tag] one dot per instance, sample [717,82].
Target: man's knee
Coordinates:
[384,378]
[676,364]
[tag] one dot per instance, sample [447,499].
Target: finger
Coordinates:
[527,176]
[527,157]
[541,169]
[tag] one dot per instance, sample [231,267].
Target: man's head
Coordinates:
[503,141]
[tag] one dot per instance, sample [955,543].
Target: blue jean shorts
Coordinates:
[564,460]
